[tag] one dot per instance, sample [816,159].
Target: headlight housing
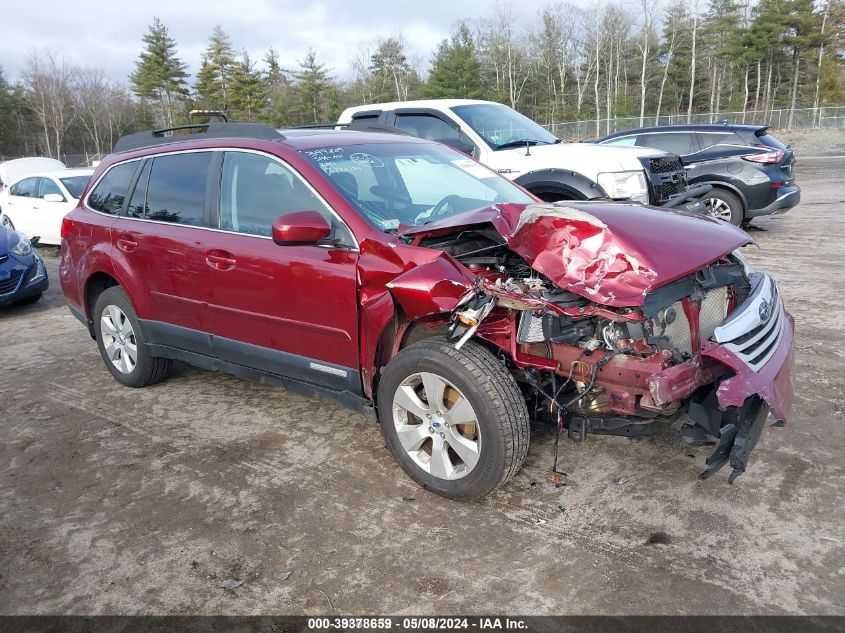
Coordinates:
[625,184]
[23,247]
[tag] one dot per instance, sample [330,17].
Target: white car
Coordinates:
[36,204]
[15,169]
[518,148]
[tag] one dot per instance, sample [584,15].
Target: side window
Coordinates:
[109,194]
[625,141]
[707,140]
[26,188]
[427,126]
[680,143]
[48,186]
[176,190]
[138,202]
[256,190]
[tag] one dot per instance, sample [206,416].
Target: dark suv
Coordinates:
[750,170]
[423,290]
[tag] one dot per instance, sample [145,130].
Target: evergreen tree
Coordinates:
[313,88]
[391,73]
[215,73]
[455,70]
[159,74]
[279,92]
[248,90]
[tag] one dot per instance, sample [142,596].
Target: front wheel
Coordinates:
[723,205]
[455,420]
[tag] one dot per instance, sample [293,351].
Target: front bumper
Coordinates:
[787,198]
[20,280]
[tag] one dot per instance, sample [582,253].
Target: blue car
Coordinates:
[23,277]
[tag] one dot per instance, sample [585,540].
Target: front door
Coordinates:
[289,310]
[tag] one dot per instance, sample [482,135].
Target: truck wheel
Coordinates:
[122,344]
[724,205]
[455,420]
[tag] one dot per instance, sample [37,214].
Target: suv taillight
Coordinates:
[768,158]
[67,227]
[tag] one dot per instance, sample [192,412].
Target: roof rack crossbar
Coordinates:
[201,131]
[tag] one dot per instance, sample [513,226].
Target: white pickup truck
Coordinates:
[523,151]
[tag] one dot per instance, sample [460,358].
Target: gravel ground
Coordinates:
[121,501]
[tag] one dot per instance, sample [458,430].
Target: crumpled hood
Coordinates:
[610,253]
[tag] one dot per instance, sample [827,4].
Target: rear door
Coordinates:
[289,310]
[159,239]
[23,197]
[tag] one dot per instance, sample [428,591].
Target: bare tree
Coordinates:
[692,61]
[648,7]
[49,95]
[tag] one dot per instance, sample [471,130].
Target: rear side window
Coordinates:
[25,188]
[680,143]
[770,141]
[176,191]
[707,140]
[110,193]
[138,202]
[623,140]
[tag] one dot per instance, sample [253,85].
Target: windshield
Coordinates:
[410,184]
[501,126]
[75,185]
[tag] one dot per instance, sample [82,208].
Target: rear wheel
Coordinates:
[724,205]
[455,420]
[122,344]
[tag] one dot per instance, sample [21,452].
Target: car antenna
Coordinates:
[527,147]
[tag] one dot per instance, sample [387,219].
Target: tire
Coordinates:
[495,444]
[728,206]
[29,300]
[114,309]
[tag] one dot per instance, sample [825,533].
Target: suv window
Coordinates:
[25,188]
[48,186]
[110,192]
[622,140]
[680,143]
[176,191]
[709,139]
[138,202]
[426,126]
[256,190]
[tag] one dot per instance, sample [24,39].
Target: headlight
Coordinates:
[746,265]
[625,184]
[23,247]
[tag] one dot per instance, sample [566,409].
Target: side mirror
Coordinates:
[34,241]
[53,197]
[300,228]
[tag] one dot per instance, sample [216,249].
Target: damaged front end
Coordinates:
[616,321]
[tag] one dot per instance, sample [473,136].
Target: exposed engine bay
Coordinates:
[600,345]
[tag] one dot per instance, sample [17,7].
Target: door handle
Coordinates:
[127,245]
[220,260]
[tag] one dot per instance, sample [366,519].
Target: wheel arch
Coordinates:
[569,182]
[727,186]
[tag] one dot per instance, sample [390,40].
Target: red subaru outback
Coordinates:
[418,287]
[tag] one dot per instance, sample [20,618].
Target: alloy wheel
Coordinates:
[718,208]
[119,339]
[437,426]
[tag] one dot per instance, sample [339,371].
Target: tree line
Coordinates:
[612,60]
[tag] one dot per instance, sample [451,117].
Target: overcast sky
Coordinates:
[107,33]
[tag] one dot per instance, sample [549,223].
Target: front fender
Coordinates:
[577,185]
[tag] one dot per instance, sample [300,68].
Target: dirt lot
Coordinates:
[115,500]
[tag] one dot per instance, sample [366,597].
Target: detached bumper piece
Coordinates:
[738,429]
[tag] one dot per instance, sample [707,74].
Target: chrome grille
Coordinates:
[747,334]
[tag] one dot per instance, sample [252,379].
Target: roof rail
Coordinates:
[207,114]
[196,131]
